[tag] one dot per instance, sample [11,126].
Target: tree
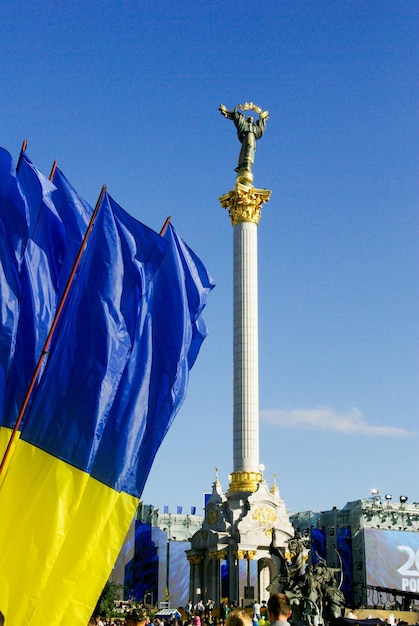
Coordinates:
[106,604]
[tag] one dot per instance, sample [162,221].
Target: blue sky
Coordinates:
[126,94]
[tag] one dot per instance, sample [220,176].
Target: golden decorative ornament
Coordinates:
[264,515]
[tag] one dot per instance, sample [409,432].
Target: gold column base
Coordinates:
[244,481]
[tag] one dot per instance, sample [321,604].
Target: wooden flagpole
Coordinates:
[165,225]
[54,167]
[23,148]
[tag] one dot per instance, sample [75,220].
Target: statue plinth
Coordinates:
[244,203]
[244,481]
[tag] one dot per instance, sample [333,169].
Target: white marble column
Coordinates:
[245,349]
[244,207]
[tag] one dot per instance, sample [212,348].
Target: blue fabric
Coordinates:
[54,238]
[70,416]
[75,214]
[131,329]
[318,544]
[39,280]
[142,572]
[13,237]
[177,297]
[119,364]
[344,547]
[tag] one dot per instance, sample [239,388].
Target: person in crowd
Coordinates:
[137,617]
[196,621]
[209,607]
[199,608]
[189,609]
[279,609]
[238,617]
[223,611]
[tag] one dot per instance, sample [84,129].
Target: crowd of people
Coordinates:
[276,612]
[204,614]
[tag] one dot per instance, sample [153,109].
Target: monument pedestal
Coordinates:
[231,550]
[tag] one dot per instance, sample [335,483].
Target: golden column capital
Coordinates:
[240,554]
[248,555]
[219,555]
[195,559]
[244,203]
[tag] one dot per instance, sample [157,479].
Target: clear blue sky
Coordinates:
[126,93]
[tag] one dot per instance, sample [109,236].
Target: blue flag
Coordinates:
[178,295]
[115,377]
[119,366]
[13,236]
[57,221]
[75,214]
[105,316]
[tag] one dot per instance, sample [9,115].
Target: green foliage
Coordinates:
[105,606]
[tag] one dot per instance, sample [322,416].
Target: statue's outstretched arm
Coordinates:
[224,111]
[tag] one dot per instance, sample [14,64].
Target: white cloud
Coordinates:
[325,418]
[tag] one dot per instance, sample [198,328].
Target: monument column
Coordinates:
[245,349]
[241,523]
[244,203]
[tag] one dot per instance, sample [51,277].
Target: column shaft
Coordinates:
[245,349]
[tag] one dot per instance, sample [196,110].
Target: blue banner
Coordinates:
[13,237]
[71,414]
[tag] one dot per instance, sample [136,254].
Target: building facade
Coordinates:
[152,566]
[376,542]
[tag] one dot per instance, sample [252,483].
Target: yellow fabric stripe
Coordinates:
[60,534]
[5,436]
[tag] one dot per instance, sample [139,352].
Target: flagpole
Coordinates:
[51,331]
[54,167]
[165,225]
[23,148]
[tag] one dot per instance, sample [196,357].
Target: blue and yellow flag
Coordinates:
[115,377]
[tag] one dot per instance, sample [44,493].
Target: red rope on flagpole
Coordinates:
[51,331]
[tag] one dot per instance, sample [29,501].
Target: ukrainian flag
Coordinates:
[116,374]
